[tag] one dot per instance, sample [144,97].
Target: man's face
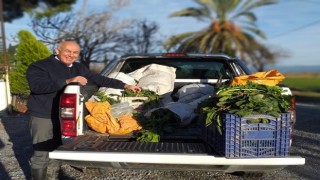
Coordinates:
[68,52]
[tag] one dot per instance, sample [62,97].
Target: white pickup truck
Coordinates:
[183,150]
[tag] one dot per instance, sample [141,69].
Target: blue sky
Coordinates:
[290,25]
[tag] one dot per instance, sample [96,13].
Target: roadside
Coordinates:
[15,146]
[307,97]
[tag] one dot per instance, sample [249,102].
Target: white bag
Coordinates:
[120,109]
[115,93]
[191,92]
[111,92]
[123,77]
[184,111]
[155,77]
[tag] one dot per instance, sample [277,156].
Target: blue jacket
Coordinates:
[47,79]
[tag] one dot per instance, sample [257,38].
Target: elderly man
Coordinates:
[47,79]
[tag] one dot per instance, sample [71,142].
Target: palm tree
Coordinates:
[232,28]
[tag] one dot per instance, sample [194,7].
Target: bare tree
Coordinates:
[98,33]
[142,37]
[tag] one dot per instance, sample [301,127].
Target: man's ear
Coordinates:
[57,51]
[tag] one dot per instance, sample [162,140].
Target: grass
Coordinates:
[305,86]
[306,82]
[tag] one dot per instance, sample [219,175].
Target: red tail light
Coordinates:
[68,107]
[292,118]
[293,107]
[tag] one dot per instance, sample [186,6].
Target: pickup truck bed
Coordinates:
[104,151]
[184,149]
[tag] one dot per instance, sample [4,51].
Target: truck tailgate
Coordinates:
[102,149]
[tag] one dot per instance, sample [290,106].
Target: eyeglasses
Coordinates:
[68,52]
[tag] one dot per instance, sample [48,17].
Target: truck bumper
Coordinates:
[173,161]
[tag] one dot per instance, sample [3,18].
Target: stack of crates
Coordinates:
[240,138]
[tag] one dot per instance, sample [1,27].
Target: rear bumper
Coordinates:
[173,161]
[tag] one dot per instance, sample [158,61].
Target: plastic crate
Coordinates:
[241,139]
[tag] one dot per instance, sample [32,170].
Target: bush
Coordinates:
[28,51]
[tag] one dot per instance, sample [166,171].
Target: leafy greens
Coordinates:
[245,100]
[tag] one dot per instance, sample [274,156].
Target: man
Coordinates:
[47,79]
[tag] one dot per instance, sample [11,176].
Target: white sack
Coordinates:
[191,92]
[111,92]
[115,93]
[155,77]
[195,102]
[123,77]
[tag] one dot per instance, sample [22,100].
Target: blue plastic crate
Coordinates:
[241,139]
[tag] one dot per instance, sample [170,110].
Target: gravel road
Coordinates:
[15,150]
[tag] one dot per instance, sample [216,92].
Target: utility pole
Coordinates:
[4,58]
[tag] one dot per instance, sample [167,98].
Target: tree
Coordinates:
[141,37]
[14,9]
[97,33]
[28,51]
[232,29]
[265,55]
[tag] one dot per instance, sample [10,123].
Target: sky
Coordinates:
[290,25]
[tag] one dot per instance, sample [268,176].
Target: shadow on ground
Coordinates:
[15,141]
[18,142]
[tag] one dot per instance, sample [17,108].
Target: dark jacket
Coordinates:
[47,79]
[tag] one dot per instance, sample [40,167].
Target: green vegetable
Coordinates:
[102,97]
[161,121]
[143,93]
[245,100]
[258,120]
[152,102]
[147,136]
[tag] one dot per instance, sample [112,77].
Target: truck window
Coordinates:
[185,68]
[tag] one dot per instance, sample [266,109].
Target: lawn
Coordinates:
[305,86]
[306,82]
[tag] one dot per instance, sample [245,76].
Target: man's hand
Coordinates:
[135,89]
[79,79]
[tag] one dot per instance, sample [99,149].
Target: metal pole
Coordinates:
[4,57]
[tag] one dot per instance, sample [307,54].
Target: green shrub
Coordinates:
[28,51]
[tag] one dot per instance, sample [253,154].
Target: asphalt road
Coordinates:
[306,141]
[15,150]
